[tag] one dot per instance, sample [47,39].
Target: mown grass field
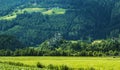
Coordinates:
[99,63]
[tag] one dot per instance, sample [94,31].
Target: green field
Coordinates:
[99,63]
[44,11]
[11,67]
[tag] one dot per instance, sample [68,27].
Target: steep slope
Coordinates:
[7,6]
[10,42]
[114,26]
[82,19]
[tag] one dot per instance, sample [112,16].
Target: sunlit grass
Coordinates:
[34,9]
[99,63]
[8,17]
[55,11]
[4,66]
[49,12]
[44,11]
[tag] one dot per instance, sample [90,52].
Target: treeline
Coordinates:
[68,48]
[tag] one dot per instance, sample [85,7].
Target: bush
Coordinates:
[81,69]
[16,64]
[63,67]
[91,68]
[39,65]
[52,67]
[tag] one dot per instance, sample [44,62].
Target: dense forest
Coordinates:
[66,48]
[26,23]
[57,46]
[82,20]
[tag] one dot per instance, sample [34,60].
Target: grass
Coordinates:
[34,9]
[55,11]
[99,63]
[12,67]
[8,17]
[44,11]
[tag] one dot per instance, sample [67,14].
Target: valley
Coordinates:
[59,34]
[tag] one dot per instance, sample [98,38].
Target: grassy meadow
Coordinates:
[98,63]
[12,67]
[44,11]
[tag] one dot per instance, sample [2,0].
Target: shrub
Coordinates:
[64,67]
[91,68]
[81,69]
[39,65]
[50,66]
[16,64]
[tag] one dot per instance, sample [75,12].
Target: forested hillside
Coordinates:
[34,21]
